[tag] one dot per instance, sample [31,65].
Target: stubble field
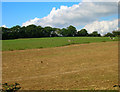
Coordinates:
[73,67]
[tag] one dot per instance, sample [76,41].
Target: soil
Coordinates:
[73,67]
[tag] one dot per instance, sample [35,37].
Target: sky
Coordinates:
[16,13]
[93,16]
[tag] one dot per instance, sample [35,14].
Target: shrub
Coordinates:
[10,87]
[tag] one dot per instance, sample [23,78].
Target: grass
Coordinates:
[36,43]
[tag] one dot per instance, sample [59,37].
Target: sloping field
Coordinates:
[80,67]
[36,43]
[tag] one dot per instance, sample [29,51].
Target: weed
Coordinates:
[39,47]
[103,41]
[10,87]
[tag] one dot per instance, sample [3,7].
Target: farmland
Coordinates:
[92,64]
[36,43]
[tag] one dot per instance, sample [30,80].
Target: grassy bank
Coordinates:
[36,43]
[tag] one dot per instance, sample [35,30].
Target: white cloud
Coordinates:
[76,15]
[102,27]
[4,26]
[32,21]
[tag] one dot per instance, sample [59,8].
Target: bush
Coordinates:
[10,87]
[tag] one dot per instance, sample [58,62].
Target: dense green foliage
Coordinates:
[32,43]
[10,87]
[33,31]
[82,32]
[109,35]
[113,34]
[95,34]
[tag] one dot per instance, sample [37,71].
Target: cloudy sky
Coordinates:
[94,16]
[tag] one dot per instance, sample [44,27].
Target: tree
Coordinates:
[82,32]
[47,31]
[58,32]
[22,32]
[30,31]
[15,31]
[54,32]
[116,33]
[71,31]
[109,35]
[5,33]
[15,28]
[39,32]
[64,32]
[94,34]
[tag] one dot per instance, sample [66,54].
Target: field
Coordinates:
[73,67]
[36,43]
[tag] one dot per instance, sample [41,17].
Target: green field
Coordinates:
[36,43]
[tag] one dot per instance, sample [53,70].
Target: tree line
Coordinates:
[33,31]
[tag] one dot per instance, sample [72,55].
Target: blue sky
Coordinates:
[93,16]
[16,13]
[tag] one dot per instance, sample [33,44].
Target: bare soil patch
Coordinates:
[82,66]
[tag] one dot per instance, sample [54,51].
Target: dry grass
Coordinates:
[83,66]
